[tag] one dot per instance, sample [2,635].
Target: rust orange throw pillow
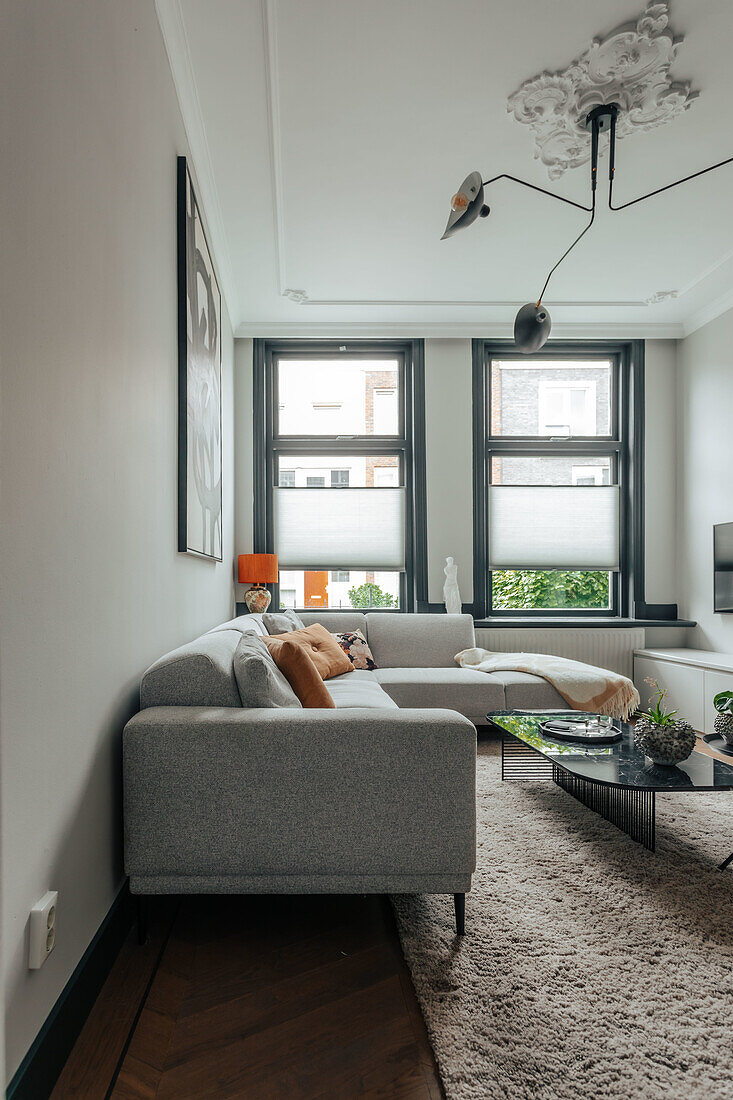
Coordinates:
[304,678]
[322,648]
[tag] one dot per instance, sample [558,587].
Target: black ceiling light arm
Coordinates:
[595,130]
[570,249]
[542,191]
[659,190]
[532,323]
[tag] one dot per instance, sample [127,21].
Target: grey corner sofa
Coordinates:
[375,796]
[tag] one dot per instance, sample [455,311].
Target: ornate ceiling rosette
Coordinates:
[630,66]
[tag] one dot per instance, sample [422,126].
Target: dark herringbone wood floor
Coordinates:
[287,997]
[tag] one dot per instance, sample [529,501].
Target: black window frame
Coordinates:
[626,444]
[409,445]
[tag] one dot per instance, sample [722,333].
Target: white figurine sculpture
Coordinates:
[451,595]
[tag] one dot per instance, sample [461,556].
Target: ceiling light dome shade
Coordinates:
[466,204]
[532,327]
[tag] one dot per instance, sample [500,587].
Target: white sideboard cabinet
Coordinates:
[691,677]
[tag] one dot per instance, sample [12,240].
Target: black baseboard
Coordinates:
[38,1072]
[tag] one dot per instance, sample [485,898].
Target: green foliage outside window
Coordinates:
[573,589]
[371,595]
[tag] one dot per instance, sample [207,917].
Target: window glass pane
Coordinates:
[535,590]
[338,397]
[544,470]
[551,397]
[339,588]
[339,471]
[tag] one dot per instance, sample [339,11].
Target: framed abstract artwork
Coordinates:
[199,382]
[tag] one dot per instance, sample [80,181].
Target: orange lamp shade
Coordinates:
[257,568]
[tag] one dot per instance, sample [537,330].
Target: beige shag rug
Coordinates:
[591,968]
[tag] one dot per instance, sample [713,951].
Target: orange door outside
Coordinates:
[315,588]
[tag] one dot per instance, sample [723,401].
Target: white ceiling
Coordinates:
[328,137]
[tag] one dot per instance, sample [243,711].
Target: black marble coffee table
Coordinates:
[616,781]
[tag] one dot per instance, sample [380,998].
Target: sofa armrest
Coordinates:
[278,792]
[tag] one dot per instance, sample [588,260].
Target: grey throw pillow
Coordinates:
[260,681]
[282,622]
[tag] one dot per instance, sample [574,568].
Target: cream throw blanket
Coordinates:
[583,687]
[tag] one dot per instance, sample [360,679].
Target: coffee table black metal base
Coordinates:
[629,809]
[617,781]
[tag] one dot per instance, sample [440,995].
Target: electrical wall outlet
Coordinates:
[42,930]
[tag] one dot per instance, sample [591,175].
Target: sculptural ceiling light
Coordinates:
[620,85]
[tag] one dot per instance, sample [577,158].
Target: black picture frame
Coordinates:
[199,382]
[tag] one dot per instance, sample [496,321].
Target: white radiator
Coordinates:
[611,648]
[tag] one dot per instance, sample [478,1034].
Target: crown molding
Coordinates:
[175,39]
[301,298]
[706,273]
[708,313]
[450,330]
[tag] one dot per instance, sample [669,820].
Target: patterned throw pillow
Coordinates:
[356,648]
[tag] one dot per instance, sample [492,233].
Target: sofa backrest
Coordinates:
[201,673]
[336,621]
[418,641]
[242,622]
[198,674]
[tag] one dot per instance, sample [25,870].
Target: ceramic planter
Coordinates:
[664,744]
[724,727]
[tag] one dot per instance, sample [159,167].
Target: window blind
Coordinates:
[554,527]
[340,528]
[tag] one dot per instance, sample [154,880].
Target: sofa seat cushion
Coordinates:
[526,692]
[359,689]
[418,641]
[469,692]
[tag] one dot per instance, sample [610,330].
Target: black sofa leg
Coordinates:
[460,904]
[142,919]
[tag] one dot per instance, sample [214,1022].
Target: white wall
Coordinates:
[93,588]
[244,442]
[660,518]
[449,463]
[705,472]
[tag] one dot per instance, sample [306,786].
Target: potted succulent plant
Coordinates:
[659,734]
[723,703]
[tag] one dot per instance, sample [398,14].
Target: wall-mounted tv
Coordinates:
[723,567]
